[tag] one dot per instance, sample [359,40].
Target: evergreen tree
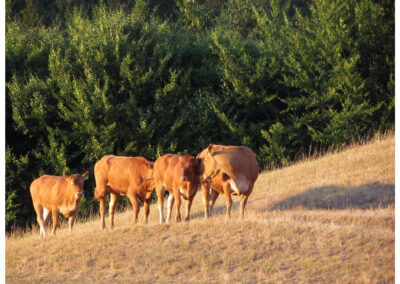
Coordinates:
[328,102]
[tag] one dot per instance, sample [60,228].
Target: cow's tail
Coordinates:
[100,176]
[100,191]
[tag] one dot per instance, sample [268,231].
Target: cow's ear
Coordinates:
[64,175]
[85,175]
[150,165]
[210,150]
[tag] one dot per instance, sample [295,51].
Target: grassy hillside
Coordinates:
[329,219]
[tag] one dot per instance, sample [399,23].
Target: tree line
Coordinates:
[144,78]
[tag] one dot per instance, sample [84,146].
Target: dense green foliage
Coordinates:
[85,79]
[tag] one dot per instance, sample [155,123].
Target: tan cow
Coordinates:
[231,170]
[130,176]
[177,175]
[56,194]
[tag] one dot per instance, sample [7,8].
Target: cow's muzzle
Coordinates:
[79,194]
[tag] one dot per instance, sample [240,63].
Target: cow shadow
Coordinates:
[367,196]
[217,210]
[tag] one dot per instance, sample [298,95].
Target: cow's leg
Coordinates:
[100,193]
[54,213]
[111,209]
[71,220]
[228,199]
[177,196]
[102,212]
[42,225]
[205,188]
[135,206]
[146,210]
[188,205]
[46,216]
[213,198]
[160,197]
[170,204]
[244,201]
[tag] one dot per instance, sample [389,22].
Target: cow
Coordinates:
[231,170]
[56,194]
[119,175]
[177,175]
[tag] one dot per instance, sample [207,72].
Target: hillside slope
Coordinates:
[325,220]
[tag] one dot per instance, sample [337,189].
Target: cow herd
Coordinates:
[228,170]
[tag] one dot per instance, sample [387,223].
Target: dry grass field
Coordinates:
[327,220]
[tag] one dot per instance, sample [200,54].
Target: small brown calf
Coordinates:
[56,194]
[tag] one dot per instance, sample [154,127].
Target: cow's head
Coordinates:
[186,175]
[76,183]
[208,167]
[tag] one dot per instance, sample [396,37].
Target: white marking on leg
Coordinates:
[161,213]
[42,232]
[170,202]
[45,213]
[161,204]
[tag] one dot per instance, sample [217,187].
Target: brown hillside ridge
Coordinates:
[327,220]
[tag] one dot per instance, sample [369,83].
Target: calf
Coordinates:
[231,170]
[56,194]
[130,176]
[176,174]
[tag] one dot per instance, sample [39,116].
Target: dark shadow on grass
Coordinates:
[368,196]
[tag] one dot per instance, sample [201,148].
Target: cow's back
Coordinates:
[48,191]
[121,172]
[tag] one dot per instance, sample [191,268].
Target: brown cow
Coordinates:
[231,170]
[130,176]
[176,174]
[56,194]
